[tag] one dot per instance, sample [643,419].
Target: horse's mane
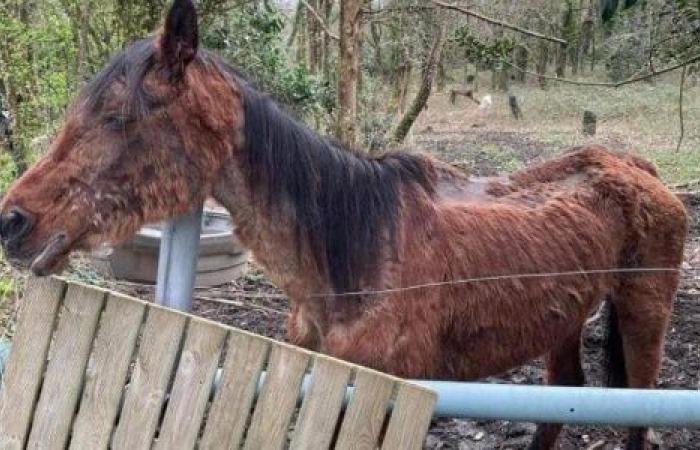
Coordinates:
[346,205]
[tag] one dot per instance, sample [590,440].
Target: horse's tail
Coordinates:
[614,352]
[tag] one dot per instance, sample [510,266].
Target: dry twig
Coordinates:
[492,21]
[680,108]
[604,84]
[240,304]
[320,20]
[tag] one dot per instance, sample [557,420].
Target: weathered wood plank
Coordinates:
[322,404]
[66,367]
[233,400]
[365,415]
[278,399]
[192,385]
[21,381]
[410,418]
[103,372]
[106,372]
[147,387]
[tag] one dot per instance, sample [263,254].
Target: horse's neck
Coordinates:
[269,234]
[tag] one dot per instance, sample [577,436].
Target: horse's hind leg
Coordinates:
[644,305]
[564,369]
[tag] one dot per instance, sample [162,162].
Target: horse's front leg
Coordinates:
[381,344]
[301,329]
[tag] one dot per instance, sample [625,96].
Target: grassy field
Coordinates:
[642,118]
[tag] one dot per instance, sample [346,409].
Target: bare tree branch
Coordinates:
[680,108]
[319,19]
[476,15]
[604,84]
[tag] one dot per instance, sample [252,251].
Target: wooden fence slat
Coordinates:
[106,373]
[192,385]
[66,368]
[278,399]
[22,379]
[365,415]
[147,387]
[322,405]
[410,418]
[89,350]
[233,401]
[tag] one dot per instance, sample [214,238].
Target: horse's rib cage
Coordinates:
[94,369]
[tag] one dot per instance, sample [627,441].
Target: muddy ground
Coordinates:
[252,303]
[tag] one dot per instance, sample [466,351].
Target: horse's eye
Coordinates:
[116,122]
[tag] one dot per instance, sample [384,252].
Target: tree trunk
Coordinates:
[314,38]
[561,60]
[542,59]
[302,39]
[376,33]
[83,22]
[586,39]
[326,52]
[441,76]
[574,56]
[521,58]
[348,69]
[426,86]
[500,77]
[403,80]
[298,17]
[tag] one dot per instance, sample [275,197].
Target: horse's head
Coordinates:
[143,142]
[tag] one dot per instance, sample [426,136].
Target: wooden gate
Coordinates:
[93,369]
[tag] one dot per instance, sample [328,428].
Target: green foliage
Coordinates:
[609,8]
[35,66]
[258,47]
[484,52]
[7,287]
[7,171]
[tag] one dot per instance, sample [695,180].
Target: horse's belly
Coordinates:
[499,350]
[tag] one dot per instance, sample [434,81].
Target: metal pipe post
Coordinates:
[177,261]
[551,404]
[572,405]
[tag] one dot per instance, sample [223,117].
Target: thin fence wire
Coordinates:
[519,276]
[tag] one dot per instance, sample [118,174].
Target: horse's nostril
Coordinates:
[15,224]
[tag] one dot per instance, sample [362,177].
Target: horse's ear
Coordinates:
[180,37]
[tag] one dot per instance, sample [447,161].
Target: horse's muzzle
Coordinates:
[15,225]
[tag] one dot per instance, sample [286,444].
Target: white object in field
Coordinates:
[486,101]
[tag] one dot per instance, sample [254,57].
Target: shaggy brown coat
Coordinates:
[164,126]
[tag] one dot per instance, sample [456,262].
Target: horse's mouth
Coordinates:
[50,260]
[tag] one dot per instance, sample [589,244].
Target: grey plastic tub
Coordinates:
[221,258]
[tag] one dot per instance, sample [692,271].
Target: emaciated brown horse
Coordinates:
[166,125]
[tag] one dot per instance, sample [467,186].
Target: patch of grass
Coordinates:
[7,287]
[10,287]
[641,118]
[676,167]
[505,159]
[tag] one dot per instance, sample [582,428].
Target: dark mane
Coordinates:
[346,205]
